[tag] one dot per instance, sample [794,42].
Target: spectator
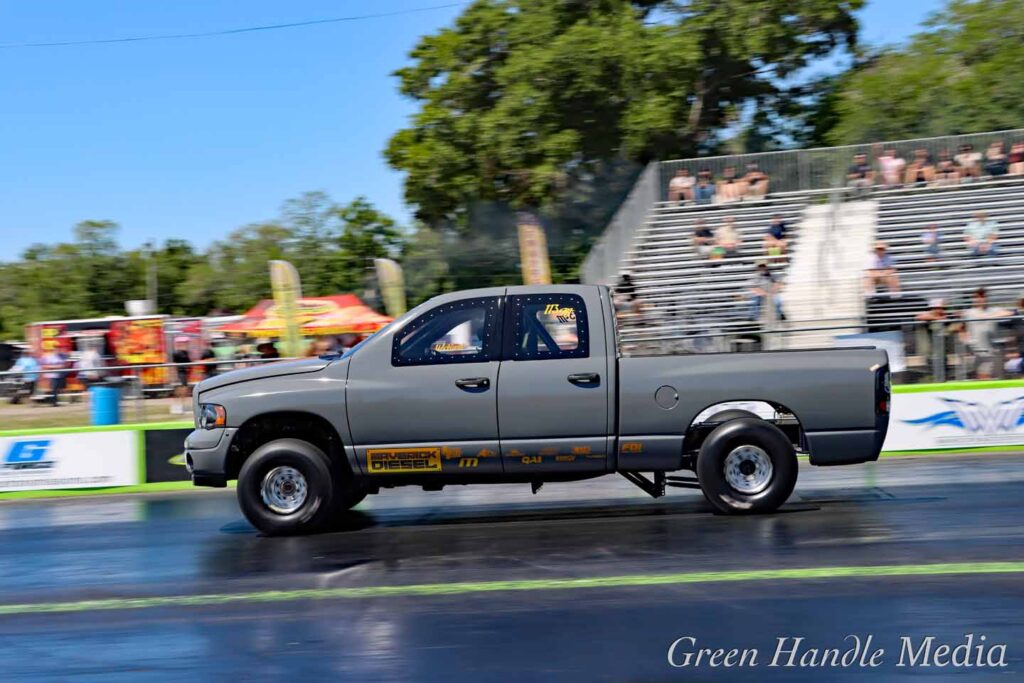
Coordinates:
[995,160]
[626,301]
[881,271]
[181,358]
[704,192]
[727,240]
[763,286]
[920,171]
[891,167]
[1016,159]
[936,312]
[90,365]
[680,188]
[756,182]
[932,240]
[860,177]
[267,349]
[1015,363]
[981,234]
[978,332]
[933,320]
[969,162]
[703,238]
[946,172]
[776,243]
[731,188]
[53,361]
[210,368]
[28,366]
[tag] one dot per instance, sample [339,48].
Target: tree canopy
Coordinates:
[960,75]
[522,98]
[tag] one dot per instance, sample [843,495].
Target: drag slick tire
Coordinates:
[288,487]
[747,466]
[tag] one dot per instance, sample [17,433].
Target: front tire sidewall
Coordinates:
[752,432]
[314,466]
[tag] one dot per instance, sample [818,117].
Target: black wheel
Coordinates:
[287,487]
[747,466]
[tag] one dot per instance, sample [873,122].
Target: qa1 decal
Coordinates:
[975,417]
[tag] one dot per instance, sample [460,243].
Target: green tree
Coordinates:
[521,99]
[958,76]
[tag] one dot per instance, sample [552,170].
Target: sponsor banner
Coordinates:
[287,289]
[165,455]
[69,461]
[956,418]
[533,250]
[890,342]
[391,281]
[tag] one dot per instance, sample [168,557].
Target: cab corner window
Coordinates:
[549,326]
[457,332]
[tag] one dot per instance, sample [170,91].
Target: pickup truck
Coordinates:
[527,385]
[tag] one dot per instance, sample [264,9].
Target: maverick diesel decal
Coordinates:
[403,460]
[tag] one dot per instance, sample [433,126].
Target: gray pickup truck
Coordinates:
[526,385]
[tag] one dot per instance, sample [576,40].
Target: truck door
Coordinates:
[431,406]
[553,386]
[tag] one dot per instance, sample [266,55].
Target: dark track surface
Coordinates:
[896,512]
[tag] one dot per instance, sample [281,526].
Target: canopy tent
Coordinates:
[339,314]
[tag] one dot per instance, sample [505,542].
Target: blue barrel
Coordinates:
[106,405]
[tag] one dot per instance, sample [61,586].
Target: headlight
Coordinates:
[212,416]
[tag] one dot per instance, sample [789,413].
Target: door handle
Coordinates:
[584,378]
[473,383]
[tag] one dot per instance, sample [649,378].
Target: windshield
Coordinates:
[348,353]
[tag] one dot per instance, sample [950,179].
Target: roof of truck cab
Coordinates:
[513,290]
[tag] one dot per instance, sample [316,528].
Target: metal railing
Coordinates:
[802,170]
[601,266]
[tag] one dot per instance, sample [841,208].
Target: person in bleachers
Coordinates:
[704,192]
[680,188]
[756,182]
[763,285]
[932,240]
[1016,159]
[920,172]
[978,332]
[882,271]
[703,238]
[946,171]
[1015,355]
[981,235]
[891,167]
[935,319]
[731,188]
[995,160]
[969,162]
[776,242]
[860,177]
[727,240]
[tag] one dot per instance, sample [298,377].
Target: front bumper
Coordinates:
[206,455]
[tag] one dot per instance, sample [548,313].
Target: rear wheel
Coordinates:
[747,465]
[288,486]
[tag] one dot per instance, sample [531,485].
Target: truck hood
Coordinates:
[264,370]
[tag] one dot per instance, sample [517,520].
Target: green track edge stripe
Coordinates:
[463,588]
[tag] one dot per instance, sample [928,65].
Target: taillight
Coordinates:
[883,391]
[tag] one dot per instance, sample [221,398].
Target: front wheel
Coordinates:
[746,466]
[287,487]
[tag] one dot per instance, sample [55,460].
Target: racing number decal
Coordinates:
[402,460]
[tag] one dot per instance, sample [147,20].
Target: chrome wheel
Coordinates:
[284,490]
[748,469]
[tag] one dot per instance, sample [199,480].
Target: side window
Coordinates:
[549,326]
[459,332]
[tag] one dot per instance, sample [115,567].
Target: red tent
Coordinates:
[339,314]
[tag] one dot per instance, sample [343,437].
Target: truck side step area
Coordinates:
[682,482]
[655,489]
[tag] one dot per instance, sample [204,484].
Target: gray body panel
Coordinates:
[412,419]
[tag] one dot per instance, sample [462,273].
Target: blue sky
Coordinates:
[192,138]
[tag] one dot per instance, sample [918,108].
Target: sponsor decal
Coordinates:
[469,462]
[975,416]
[563,314]
[403,460]
[29,454]
[67,461]
[632,447]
